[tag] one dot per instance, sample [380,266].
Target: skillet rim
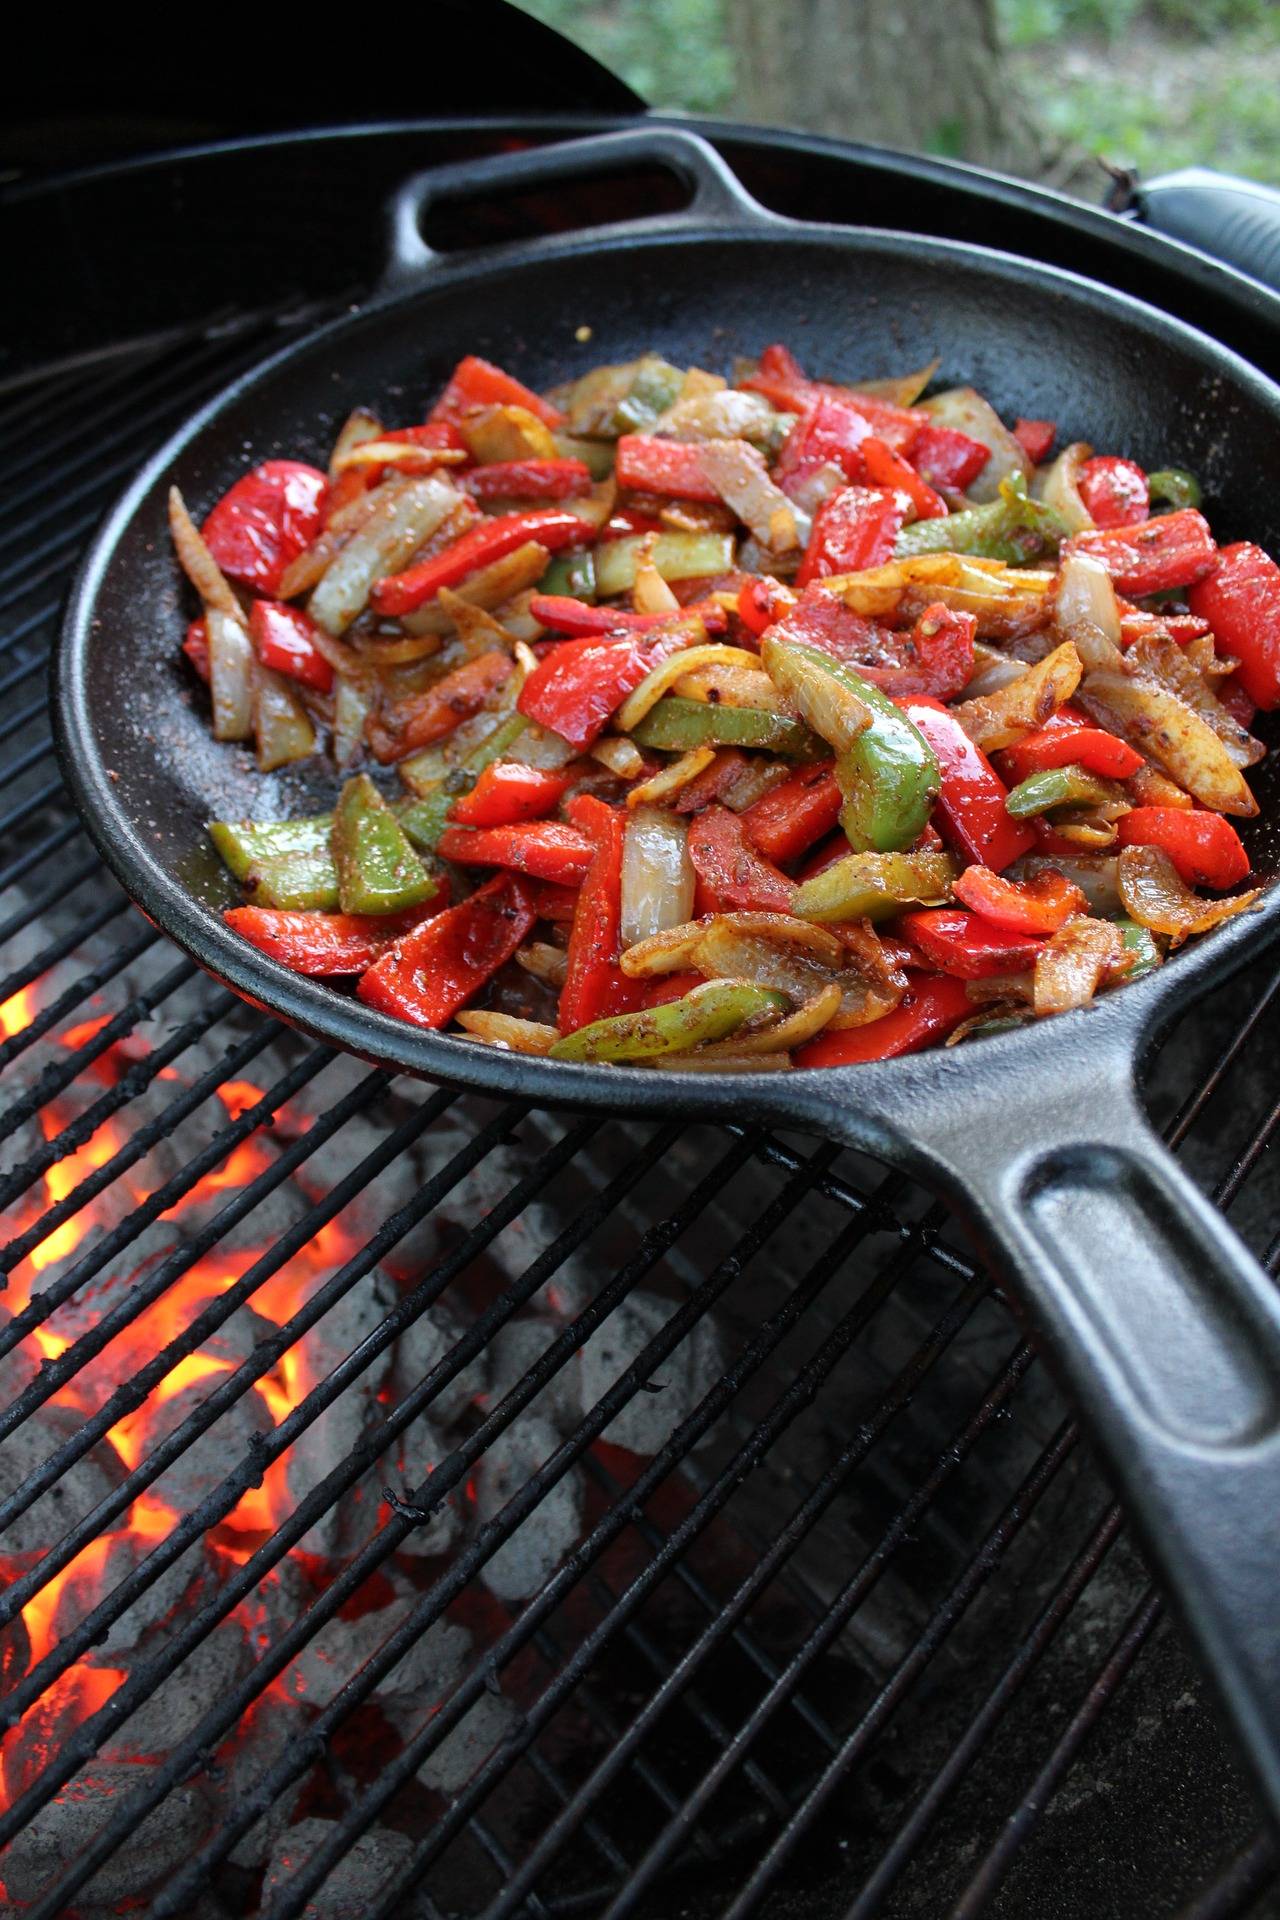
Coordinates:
[1125,1021]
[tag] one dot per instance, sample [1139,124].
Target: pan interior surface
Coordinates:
[134,725]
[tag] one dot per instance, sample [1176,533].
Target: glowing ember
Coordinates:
[17,1012]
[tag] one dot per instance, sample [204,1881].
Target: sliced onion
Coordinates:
[487,587]
[1096,876]
[967,411]
[540,747]
[1158,657]
[1073,963]
[729,686]
[672,778]
[387,541]
[199,565]
[359,427]
[545,962]
[1059,487]
[230,676]
[405,455]
[351,706]
[658,879]
[792,1031]
[1164,727]
[667,672]
[720,414]
[506,1031]
[650,593]
[280,721]
[1086,611]
[1000,718]
[1157,897]
[622,757]
[727,951]
[992,669]
[737,472]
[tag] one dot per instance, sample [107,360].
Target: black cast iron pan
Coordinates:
[1166,1331]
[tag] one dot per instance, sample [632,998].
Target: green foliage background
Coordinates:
[1148,83]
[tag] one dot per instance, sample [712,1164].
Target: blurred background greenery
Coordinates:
[1149,84]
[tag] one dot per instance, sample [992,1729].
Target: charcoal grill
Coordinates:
[735,1556]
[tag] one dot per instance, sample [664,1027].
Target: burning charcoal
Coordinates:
[64,1827]
[405,1467]
[430,1666]
[272,1726]
[337,1652]
[237,1337]
[524,1564]
[18,1368]
[335,1337]
[355,1883]
[206,1462]
[517,1348]
[15,1653]
[181,1702]
[275,1603]
[351,1519]
[450,1765]
[100,1571]
[421,1347]
[71,1498]
[648,1419]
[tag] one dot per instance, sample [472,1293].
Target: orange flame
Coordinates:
[17,1012]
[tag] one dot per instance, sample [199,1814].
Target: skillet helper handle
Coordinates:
[1167,1333]
[1236,221]
[718,197]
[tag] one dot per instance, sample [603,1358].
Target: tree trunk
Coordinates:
[895,73]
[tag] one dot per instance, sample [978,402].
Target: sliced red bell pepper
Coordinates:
[487,540]
[284,639]
[966,946]
[196,648]
[553,903]
[1036,438]
[478,383]
[714,782]
[666,987]
[732,869]
[761,601]
[783,382]
[824,855]
[426,977]
[1114,491]
[595,985]
[508,791]
[1067,739]
[829,432]
[544,849]
[971,810]
[563,614]
[853,529]
[885,468]
[945,457]
[931,1007]
[1241,602]
[792,817]
[1174,550]
[934,658]
[1036,906]
[265,521]
[436,433]
[421,718]
[580,683]
[1205,848]
[328,943]
[528,480]
[1135,624]
[647,464]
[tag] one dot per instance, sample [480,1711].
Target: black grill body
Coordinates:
[833,1614]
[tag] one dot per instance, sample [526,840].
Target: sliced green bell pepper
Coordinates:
[1015,528]
[675,725]
[1173,487]
[677,556]
[571,573]
[888,772]
[378,871]
[1069,786]
[1141,943]
[282,863]
[871,886]
[708,1013]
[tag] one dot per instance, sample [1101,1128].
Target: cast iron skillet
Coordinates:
[1166,1331]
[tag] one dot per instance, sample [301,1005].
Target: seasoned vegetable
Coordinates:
[748,726]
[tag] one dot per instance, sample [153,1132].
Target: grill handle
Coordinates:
[718,197]
[1233,220]
[1166,1333]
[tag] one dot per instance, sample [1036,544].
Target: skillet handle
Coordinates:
[1166,1332]
[718,197]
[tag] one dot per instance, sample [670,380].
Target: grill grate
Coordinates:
[858,1629]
